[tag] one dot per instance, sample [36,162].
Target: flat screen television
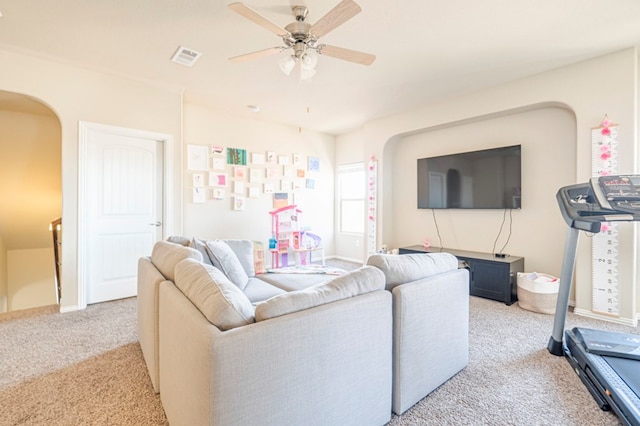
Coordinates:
[484,179]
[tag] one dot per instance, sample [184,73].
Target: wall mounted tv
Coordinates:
[485,179]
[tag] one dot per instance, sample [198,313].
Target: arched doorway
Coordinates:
[31,194]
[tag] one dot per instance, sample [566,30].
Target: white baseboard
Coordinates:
[346,259]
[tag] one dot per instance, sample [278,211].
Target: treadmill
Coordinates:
[608,363]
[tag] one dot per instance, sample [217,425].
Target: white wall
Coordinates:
[30,278]
[591,89]
[217,218]
[76,94]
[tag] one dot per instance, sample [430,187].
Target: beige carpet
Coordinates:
[86,368]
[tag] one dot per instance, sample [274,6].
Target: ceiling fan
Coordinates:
[302,37]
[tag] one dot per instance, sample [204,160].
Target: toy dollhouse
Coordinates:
[287,236]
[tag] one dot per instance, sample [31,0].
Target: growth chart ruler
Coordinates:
[605,296]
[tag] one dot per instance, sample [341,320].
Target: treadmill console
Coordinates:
[617,193]
[603,199]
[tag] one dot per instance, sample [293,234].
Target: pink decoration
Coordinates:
[605,131]
[604,227]
[426,244]
[606,122]
[605,156]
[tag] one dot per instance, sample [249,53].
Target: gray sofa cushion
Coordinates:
[219,300]
[360,281]
[166,255]
[225,259]
[258,291]
[401,269]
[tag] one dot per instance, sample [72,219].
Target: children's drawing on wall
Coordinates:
[268,188]
[217,179]
[314,164]
[285,185]
[297,159]
[311,183]
[218,163]
[238,187]
[239,172]
[283,159]
[300,173]
[237,156]
[218,193]
[271,157]
[198,195]
[257,158]
[255,175]
[197,157]
[272,173]
[254,192]
[298,184]
[198,180]
[287,171]
[280,199]
[238,203]
[216,149]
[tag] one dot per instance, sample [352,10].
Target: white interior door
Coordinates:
[124,177]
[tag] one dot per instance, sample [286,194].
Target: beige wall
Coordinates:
[4,290]
[547,137]
[75,95]
[216,218]
[31,278]
[591,89]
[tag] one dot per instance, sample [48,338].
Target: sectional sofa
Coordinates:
[225,346]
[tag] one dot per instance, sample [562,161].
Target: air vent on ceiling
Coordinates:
[186,57]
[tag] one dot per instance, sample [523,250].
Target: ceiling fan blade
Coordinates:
[254,16]
[255,55]
[337,16]
[346,54]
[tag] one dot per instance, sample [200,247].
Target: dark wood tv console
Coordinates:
[490,277]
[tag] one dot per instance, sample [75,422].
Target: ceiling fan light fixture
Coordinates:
[309,60]
[306,74]
[286,64]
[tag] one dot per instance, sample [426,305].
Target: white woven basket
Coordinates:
[538,296]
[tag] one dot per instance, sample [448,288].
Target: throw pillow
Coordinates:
[223,258]
[201,246]
[244,250]
[219,300]
[166,255]
[360,281]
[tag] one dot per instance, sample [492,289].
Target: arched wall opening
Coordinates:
[31,191]
[547,134]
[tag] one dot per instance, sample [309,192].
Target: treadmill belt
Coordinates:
[614,382]
[628,370]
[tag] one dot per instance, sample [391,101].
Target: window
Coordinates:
[351,198]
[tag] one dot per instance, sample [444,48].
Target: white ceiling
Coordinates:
[425,49]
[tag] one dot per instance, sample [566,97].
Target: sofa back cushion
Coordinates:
[401,269]
[225,259]
[166,255]
[360,281]
[220,301]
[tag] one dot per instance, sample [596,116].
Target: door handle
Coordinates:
[156,224]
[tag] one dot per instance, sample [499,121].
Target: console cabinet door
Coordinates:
[490,280]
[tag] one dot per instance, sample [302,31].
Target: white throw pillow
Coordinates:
[223,258]
[219,300]
[165,256]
